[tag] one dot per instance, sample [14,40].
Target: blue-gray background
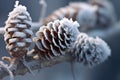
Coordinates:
[109,70]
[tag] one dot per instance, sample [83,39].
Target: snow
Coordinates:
[28,31]
[19,34]
[87,17]
[21,44]
[45,45]
[70,27]
[12,29]
[13,40]
[6,68]
[29,40]
[21,26]
[55,53]
[62,45]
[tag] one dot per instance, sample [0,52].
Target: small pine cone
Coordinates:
[105,13]
[81,12]
[17,31]
[55,38]
[90,51]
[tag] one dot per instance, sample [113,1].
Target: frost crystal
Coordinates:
[87,17]
[91,51]
[71,27]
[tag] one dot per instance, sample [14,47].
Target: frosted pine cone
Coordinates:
[81,12]
[105,13]
[17,31]
[90,51]
[55,38]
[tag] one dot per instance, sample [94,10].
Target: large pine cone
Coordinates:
[90,51]
[55,38]
[17,31]
[105,13]
[84,13]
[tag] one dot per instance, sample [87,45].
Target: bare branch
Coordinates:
[43,9]
[2,31]
[36,64]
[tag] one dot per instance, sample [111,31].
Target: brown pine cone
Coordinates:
[84,13]
[105,13]
[55,38]
[17,31]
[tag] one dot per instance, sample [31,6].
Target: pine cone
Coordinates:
[81,12]
[90,51]
[17,31]
[55,38]
[105,13]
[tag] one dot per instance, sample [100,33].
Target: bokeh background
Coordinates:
[109,70]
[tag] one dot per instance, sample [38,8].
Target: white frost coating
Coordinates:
[12,29]
[20,44]
[39,45]
[44,44]
[7,36]
[56,44]
[22,17]
[14,21]
[29,40]
[19,34]
[21,26]
[18,10]
[28,31]
[66,37]
[13,40]
[49,25]
[54,25]
[70,27]
[6,67]
[91,51]
[54,51]
[28,22]
[87,17]
[61,44]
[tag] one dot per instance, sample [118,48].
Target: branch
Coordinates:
[43,9]
[2,31]
[36,64]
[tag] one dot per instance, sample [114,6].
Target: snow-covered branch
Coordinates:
[35,65]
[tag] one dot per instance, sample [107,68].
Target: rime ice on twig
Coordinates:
[91,51]
[2,31]
[6,68]
[43,9]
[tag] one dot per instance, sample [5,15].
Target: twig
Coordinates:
[36,64]
[2,31]
[43,9]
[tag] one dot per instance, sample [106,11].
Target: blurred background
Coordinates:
[109,70]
